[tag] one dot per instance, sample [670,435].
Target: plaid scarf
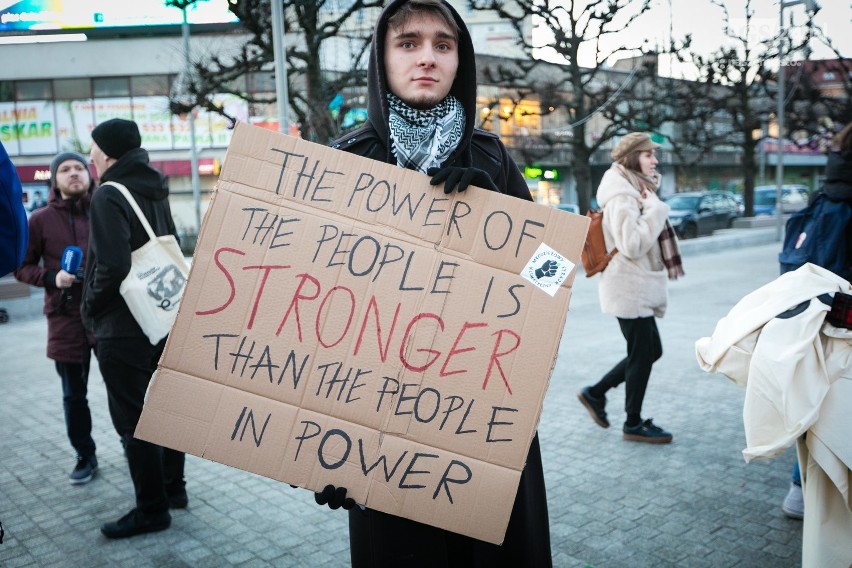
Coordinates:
[668,237]
[424,139]
[841,311]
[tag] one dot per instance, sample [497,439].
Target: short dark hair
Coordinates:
[400,18]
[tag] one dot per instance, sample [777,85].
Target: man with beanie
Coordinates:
[125,356]
[422,110]
[65,222]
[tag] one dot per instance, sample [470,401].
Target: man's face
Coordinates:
[421,59]
[72,179]
[99,159]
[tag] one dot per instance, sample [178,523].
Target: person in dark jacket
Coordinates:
[65,222]
[125,356]
[422,107]
[838,187]
[838,181]
[13,216]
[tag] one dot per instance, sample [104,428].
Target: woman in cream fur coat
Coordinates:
[633,286]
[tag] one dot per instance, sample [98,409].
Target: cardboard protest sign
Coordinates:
[345,322]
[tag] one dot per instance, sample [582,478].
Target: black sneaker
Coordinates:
[84,471]
[646,432]
[136,522]
[595,406]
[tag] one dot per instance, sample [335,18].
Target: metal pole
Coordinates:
[196,192]
[779,165]
[279,51]
[764,133]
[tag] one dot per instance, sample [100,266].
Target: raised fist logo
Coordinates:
[547,269]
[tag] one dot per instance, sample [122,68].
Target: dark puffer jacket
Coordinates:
[115,233]
[64,222]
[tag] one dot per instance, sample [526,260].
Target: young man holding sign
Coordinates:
[422,106]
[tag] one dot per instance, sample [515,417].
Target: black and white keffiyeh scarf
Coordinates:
[423,139]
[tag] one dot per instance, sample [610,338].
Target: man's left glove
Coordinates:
[455,176]
[334,497]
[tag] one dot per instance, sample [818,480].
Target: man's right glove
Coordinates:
[334,497]
[456,176]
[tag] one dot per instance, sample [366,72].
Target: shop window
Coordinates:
[33,90]
[72,89]
[7,91]
[150,86]
[261,82]
[106,87]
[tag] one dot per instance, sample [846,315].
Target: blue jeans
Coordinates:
[797,475]
[78,419]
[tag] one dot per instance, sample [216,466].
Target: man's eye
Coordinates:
[407,45]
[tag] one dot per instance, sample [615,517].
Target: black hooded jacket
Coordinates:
[478,148]
[377,539]
[115,232]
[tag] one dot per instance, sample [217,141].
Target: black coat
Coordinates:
[377,539]
[115,231]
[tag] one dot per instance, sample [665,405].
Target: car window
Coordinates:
[764,198]
[683,202]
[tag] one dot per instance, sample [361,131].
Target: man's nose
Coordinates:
[427,56]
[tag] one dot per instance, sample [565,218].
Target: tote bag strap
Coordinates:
[126,193]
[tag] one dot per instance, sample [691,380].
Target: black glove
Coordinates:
[334,497]
[452,176]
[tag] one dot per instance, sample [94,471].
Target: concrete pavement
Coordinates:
[693,503]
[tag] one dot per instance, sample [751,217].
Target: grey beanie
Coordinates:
[63,157]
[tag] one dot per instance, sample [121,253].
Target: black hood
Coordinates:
[134,171]
[464,86]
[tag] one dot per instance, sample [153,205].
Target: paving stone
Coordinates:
[694,503]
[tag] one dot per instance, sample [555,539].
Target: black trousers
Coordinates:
[643,348]
[127,365]
[78,417]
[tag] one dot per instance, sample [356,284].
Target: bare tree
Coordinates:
[626,99]
[311,87]
[736,92]
[821,102]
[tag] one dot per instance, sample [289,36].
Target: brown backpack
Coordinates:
[595,257]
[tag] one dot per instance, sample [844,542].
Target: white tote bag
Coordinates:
[157,278]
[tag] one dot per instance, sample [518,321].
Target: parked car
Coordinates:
[701,212]
[740,203]
[570,207]
[793,198]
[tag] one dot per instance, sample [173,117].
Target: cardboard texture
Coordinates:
[345,322]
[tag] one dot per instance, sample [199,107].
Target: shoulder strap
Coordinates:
[142,219]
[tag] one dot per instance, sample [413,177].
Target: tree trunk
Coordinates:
[748,174]
[580,156]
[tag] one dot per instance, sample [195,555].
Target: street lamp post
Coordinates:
[810,6]
[193,156]
[279,50]
[193,152]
